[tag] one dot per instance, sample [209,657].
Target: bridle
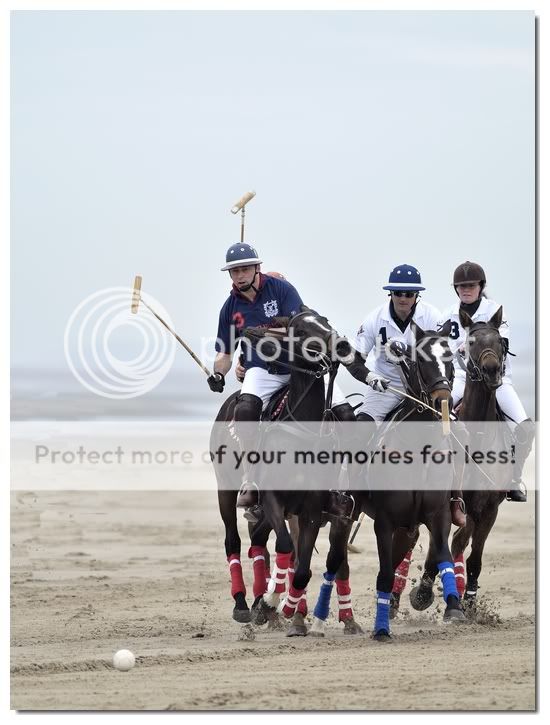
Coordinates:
[410,368]
[323,365]
[474,368]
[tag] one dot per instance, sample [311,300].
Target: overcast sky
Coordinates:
[371,139]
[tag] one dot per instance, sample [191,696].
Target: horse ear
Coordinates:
[445,330]
[496,319]
[465,319]
[304,308]
[418,332]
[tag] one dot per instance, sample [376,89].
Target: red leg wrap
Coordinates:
[293,598]
[282,562]
[257,554]
[460,574]
[236,573]
[343,591]
[302,604]
[401,574]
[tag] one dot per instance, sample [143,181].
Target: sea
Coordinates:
[183,395]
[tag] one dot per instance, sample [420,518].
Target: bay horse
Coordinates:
[484,372]
[305,401]
[398,513]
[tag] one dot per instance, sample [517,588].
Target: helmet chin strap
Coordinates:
[251,285]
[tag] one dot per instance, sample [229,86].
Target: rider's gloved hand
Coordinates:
[216,382]
[377,382]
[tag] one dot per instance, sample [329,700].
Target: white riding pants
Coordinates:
[257,381]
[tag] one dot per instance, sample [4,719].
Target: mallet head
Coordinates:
[243,201]
[136,293]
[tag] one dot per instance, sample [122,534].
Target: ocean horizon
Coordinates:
[56,394]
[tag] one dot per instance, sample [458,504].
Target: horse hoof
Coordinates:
[297,630]
[454,615]
[394,605]
[382,636]
[315,633]
[241,615]
[258,614]
[317,629]
[421,598]
[351,627]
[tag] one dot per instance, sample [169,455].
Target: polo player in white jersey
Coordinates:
[391,323]
[469,282]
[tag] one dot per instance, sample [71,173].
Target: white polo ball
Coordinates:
[124,660]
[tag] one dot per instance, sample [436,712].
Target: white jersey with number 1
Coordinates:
[379,327]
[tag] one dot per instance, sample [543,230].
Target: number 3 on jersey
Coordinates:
[453,334]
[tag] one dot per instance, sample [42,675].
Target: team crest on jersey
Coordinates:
[271,308]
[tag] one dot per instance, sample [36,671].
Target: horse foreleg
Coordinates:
[473,563]
[294,528]
[309,529]
[404,542]
[384,581]
[226,501]
[283,551]
[337,569]
[460,540]
[259,534]
[439,552]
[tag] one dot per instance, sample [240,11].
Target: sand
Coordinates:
[94,572]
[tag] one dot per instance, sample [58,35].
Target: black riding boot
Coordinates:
[524,435]
[248,411]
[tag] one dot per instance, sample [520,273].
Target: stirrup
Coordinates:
[341,506]
[461,502]
[247,496]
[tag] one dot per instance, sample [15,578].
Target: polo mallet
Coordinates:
[351,548]
[243,201]
[137,298]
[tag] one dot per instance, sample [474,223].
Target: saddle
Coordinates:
[276,405]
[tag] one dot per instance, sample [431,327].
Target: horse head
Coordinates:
[433,364]
[484,349]
[307,338]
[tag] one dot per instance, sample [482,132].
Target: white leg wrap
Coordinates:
[272,598]
[318,626]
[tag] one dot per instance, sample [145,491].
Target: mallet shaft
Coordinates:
[178,338]
[359,522]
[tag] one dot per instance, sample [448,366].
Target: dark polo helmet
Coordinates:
[469,272]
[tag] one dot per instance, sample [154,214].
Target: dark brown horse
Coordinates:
[483,377]
[398,513]
[306,401]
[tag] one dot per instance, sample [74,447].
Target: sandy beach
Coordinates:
[93,572]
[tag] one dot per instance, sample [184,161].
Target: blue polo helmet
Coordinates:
[404,278]
[240,255]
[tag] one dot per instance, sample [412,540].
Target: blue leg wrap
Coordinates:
[382,612]
[447,574]
[322,607]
